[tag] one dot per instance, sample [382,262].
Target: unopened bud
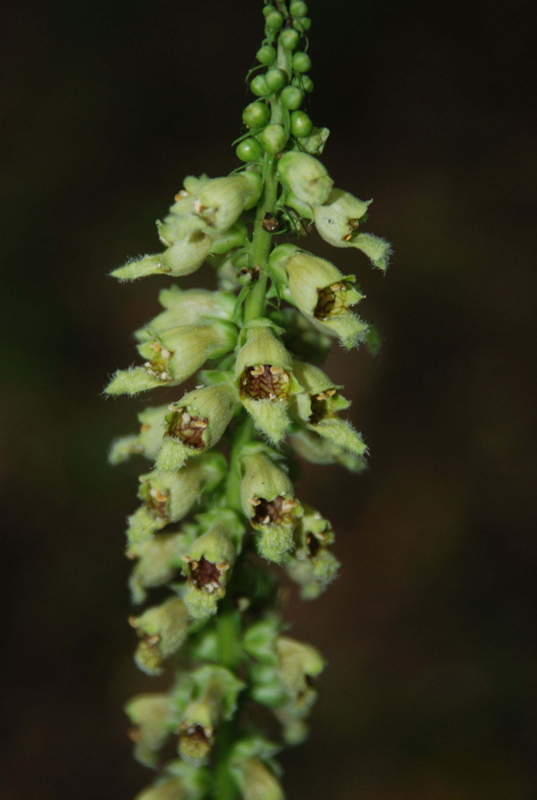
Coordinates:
[162,630]
[305,177]
[196,423]
[267,497]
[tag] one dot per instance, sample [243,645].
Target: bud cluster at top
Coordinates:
[218,491]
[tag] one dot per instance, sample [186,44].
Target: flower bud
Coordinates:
[146,442]
[215,700]
[157,560]
[298,664]
[187,307]
[306,177]
[196,423]
[313,448]
[323,294]
[209,561]
[169,496]
[317,406]
[312,565]
[265,382]
[153,720]
[338,220]
[220,202]
[256,781]
[163,630]
[176,355]
[268,500]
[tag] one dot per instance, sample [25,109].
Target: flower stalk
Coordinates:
[218,501]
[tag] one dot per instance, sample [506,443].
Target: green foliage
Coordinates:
[259,400]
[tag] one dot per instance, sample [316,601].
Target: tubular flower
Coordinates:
[312,565]
[224,450]
[317,407]
[188,307]
[196,423]
[214,701]
[157,560]
[322,293]
[263,372]
[268,500]
[255,770]
[163,630]
[209,562]
[153,718]
[146,442]
[169,496]
[338,221]
[175,356]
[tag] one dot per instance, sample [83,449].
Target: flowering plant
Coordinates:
[219,489]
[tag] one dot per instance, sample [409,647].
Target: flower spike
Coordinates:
[221,489]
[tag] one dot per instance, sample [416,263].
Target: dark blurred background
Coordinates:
[431,690]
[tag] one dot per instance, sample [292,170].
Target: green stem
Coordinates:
[228,629]
[228,623]
[242,435]
[254,304]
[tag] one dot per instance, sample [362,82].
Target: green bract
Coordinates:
[222,451]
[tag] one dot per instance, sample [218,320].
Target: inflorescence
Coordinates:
[218,490]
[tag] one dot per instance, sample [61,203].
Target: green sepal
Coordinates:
[315,142]
[259,640]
